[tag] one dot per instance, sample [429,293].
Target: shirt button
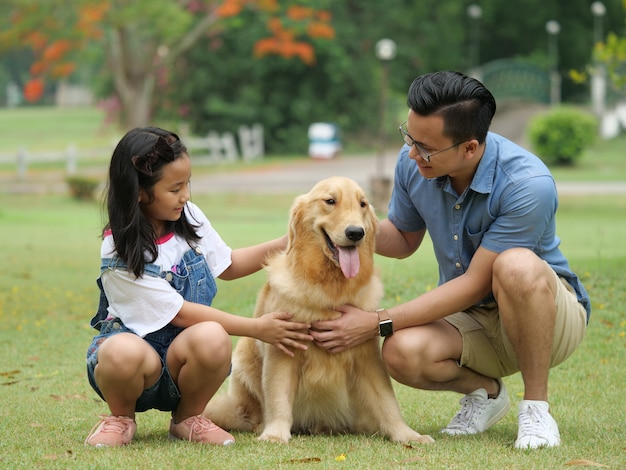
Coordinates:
[168,277]
[457,207]
[456,237]
[198,250]
[458,265]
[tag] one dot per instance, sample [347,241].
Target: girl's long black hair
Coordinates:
[137,163]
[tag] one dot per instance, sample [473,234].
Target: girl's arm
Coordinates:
[274,328]
[245,261]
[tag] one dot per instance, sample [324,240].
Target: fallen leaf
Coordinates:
[305,460]
[585,463]
[10,373]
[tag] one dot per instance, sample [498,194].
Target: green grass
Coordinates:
[42,129]
[49,252]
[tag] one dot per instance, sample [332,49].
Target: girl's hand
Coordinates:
[276,328]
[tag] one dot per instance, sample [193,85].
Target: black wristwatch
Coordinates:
[385,325]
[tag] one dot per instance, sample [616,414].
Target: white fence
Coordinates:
[213,149]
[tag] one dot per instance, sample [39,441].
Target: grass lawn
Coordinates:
[49,254]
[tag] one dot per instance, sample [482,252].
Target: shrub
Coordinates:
[560,136]
[82,187]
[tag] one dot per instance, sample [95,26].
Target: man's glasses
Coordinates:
[421,150]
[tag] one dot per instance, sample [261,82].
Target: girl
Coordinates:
[161,343]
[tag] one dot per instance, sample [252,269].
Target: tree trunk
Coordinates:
[134,62]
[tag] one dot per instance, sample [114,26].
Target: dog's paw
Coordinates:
[424,439]
[276,432]
[412,437]
[275,439]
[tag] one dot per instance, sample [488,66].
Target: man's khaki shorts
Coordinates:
[486,348]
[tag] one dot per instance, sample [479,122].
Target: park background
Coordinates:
[79,73]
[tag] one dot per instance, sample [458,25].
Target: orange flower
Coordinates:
[33,90]
[229,8]
[38,68]
[57,50]
[268,5]
[299,13]
[63,69]
[266,46]
[36,40]
[89,17]
[275,25]
[320,30]
[324,16]
[305,52]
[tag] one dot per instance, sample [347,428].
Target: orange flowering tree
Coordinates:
[141,39]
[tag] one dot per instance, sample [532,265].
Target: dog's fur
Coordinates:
[315,391]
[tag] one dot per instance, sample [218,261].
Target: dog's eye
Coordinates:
[364,204]
[330,202]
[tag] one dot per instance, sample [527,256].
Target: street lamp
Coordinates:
[553,28]
[598,78]
[598,10]
[475,12]
[385,50]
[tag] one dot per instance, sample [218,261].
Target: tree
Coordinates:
[612,53]
[142,38]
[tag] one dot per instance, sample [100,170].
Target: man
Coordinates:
[507,299]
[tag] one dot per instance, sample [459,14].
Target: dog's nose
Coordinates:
[355,233]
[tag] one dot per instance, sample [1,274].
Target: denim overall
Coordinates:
[193,280]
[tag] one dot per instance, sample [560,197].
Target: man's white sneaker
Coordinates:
[478,412]
[537,427]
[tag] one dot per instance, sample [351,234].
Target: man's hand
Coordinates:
[353,327]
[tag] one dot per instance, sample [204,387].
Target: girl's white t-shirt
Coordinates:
[148,303]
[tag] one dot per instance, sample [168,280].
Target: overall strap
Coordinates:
[116,263]
[103,304]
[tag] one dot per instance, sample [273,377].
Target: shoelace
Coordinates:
[531,422]
[199,424]
[110,424]
[469,407]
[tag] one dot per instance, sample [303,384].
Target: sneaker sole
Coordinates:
[227,442]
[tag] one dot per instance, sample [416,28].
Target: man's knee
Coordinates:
[519,270]
[403,355]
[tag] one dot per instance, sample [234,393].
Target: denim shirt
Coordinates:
[511,202]
[192,279]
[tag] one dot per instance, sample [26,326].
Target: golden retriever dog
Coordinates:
[328,262]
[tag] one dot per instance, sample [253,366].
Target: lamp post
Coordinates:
[598,78]
[475,12]
[598,10]
[381,185]
[553,28]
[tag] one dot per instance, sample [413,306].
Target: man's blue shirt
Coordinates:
[511,202]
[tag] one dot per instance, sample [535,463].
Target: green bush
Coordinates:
[560,136]
[82,187]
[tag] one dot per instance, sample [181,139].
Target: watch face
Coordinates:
[385,328]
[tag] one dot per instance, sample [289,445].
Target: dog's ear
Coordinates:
[373,218]
[295,217]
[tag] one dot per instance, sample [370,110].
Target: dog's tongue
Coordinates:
[349,261]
